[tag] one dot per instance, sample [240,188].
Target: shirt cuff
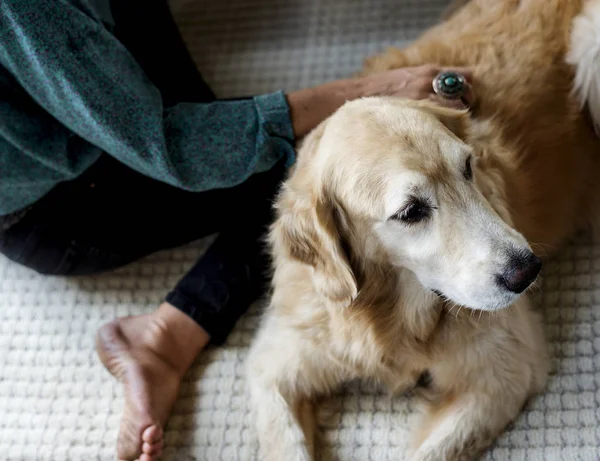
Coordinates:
[274,116]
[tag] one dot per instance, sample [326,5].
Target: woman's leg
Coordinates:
[112,216]
[150,354]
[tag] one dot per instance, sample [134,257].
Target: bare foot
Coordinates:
[149,354]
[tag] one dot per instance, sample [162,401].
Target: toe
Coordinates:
[152,434]
[152,449]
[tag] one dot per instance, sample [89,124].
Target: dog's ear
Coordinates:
[457,121]
[310,234]
[307,229]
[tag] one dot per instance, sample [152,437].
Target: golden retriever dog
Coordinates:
[404,242]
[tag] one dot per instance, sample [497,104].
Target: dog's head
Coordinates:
[394,181]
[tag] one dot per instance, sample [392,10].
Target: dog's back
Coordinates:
[518,50]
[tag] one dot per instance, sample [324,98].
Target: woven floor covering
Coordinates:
[58,403]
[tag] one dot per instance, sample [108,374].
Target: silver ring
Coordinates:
[450,85]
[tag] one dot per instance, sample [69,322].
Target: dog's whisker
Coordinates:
[491,317]
[540,246]
[452,306]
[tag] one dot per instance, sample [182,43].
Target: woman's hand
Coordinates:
[310,107]
[417,83]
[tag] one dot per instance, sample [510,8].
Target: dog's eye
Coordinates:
[468,172]
[414,212]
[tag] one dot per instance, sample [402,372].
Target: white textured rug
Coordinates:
[57,403]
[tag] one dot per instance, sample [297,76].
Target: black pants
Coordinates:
[112,215]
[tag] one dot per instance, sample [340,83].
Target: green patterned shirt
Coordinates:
[69,90]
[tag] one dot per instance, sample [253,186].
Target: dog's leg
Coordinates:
[460,422]
[460,428]
[285,373]
[285,422]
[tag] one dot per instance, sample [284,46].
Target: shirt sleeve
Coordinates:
[73,67]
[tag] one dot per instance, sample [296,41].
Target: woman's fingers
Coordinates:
[467,99]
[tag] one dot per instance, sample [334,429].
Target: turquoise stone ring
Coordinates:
[449,85]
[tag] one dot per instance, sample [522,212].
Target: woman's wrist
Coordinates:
[309,107]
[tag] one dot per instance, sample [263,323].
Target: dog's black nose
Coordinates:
[523,268]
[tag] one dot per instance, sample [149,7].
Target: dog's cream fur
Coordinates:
[352,286]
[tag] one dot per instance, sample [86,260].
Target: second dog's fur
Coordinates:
[399,214]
